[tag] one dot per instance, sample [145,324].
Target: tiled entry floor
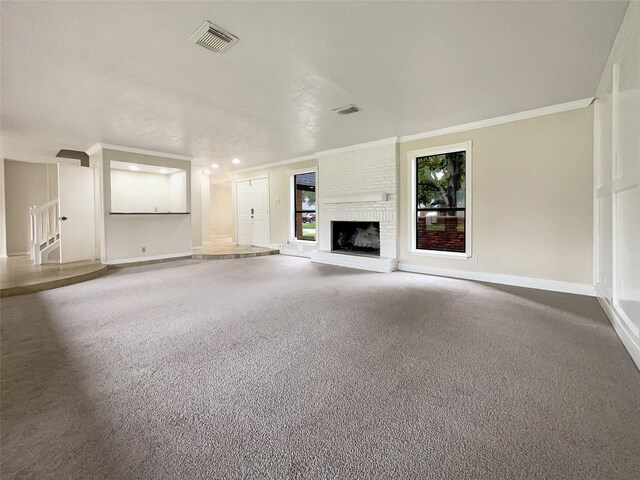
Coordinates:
[223,248]
[19,275]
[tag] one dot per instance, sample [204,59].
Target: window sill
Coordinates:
[435,253]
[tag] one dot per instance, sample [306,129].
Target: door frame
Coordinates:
[234,186]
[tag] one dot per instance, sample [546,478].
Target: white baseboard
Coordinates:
[631,343]
[295,253]
[515,280]
[121,261]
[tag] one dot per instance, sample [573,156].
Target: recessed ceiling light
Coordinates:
[133,167]
[164,170]
[236,161]
[214,165]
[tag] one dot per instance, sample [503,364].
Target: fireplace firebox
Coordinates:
[357,238]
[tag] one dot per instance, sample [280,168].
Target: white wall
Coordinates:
[148,192]
[25,185]
[124,236]
[280,214]
[196,208]
[532,203]
[221,211]
[206,208]
[139,192]
[617,184]
[178,191]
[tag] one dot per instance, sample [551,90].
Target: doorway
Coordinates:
[252,204]
[77,213]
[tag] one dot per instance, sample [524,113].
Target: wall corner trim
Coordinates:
[514,117]
[514,280]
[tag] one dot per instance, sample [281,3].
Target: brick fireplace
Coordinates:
[359,184]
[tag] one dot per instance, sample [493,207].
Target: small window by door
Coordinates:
[304,206]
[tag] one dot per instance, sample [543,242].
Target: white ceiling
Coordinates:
[124,73]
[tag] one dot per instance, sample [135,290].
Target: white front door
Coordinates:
[243,203]
[252,203]
[77,213]
[260,218]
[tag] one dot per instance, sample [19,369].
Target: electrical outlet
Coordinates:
[144,249]
[277,201]
[474,258]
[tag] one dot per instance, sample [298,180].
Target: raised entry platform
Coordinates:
[18,275]
[221,248]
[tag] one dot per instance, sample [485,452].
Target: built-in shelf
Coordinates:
[149,213]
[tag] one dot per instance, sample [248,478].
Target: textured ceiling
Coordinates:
[124,73]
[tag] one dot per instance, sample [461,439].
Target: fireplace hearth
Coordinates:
[356,238]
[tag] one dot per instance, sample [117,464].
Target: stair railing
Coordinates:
[45,228]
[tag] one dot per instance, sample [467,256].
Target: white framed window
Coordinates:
[440,215]
[304,212]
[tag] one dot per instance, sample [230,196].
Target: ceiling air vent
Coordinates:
[347,110]
[213,38]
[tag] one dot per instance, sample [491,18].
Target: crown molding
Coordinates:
[324,153]
[276,164]
[514,117]
[141,151]
[93,149]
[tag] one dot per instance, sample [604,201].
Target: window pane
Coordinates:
[441,202]
[441,180]
[441,230]
[305,206]
[306,226]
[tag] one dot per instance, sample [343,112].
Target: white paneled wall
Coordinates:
[617,184]
[358,171]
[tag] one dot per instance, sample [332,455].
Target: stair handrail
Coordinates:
[45,228]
